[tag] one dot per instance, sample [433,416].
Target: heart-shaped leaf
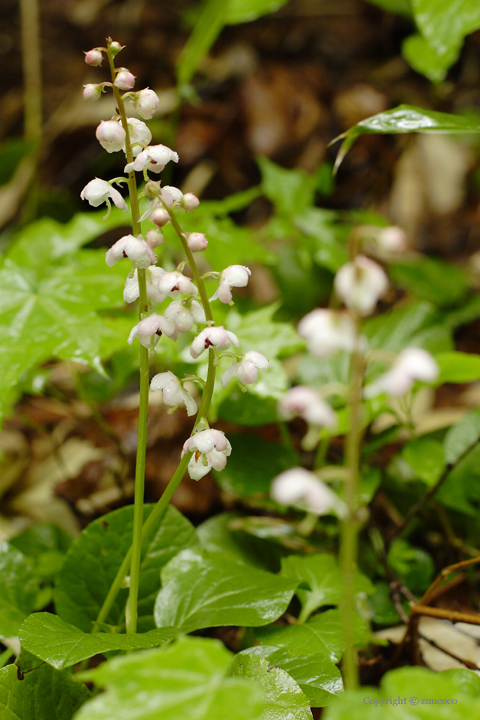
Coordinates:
[18,589]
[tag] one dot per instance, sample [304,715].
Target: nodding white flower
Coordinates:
[132,291]
[94,57]
[146,103]
[171,195]
[232,276]
[212,336]
[307,403]
[136,249]
[210,449]
[327,331]
[197,241]
[171,284]
[304,489]
[139,134]
[360,284]
[111,135]
[155,238]
[153,325]
[100,191]
[154,157]
[410,365]
[246,370]
[190,201]
[391,239]
[92,92]
[124,80]
[173,391]
[184,314]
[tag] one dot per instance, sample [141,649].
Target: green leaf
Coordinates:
[412,565]
[291,191]
[395,329]
[318,223]
[425,59]
[283,697]
[257,330]
[41,538]
[241,11]
[445,23]
[461,489]
[202,589]
[405,119]
[426,457]
[206,30]
[61,645]
[187,681]
[434,280]
[458,367]
[402,7]
[41,694]
[92,563]
[323,575]
[253,464]
[461,436]
[18,589]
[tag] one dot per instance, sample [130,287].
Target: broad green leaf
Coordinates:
[323,575]
[253,464]
[240,11]
[187,681]
[405,119]
[412,565]
[461,489]
[433,280]
[61,645]
[258,331]
[18,589]
[408,326]
[248,409]
[45,543]
[330,252]
[283,698]
[458,367]
[445,23]
[461,436]
[418,695]
[425,59]
[40,694]
[291,191]
[426,457]
[202,589]
[92,562]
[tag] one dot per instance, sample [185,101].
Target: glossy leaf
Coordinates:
[258,331]
[92,562]
[18,589]
[458,367]
[187,681]
[412,565]
[405,119]
[291,191]
[425,59]
[61,645]
[433,280]
[426,457]
[202,589]
[445,23]
[283,698]
[461,436]
[461,489]
[40,694]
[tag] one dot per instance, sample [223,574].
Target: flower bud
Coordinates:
[115,48]
[160,217]
[146,103]
[155,238]
[92,92]
[111,135]
[124,80]
[94,57]
[190,201]
[392,239]
[197,242]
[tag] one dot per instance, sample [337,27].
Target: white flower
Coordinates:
[410,365]
[171,195]
[212,336]
[196,241]
[152,325]
[327,331]
[210,449]
[303,489]
[146,102]
[247,369]
[155,238]
[139,134]
[100,191]
[184,316]
[392,239]
[92,92]
[360,284]
[232,276]
[171,284]
[190,201]
[173,392]
[132,291]
[136,249]
[154,157]
[94,57]
[307,403]
[111,135]
[124,80]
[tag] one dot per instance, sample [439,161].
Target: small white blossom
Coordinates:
[185,316]
[99,191]
[92,92]
[232,276]
[173,391]
[136,249]
[171,284]
[246,370]
[212,336]
[154,157]
[155,238]
[392,239]
[146,103]
[197,241]
[139,134]
[410,365]
[210,449]
[171,195]
[360,284]
[131,291]
[94,57]
[327,331]
[307,403]
[302,488]
[124,80]
[111,135]
[153,325]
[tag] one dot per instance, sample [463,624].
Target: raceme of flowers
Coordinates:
[209,447]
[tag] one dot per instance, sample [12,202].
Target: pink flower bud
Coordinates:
[190,201]
[111,135]
[155,238]
[197,242]
[160,217]
[392,239]
[91,92]
[94,57]
[146,103]
[124,80]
